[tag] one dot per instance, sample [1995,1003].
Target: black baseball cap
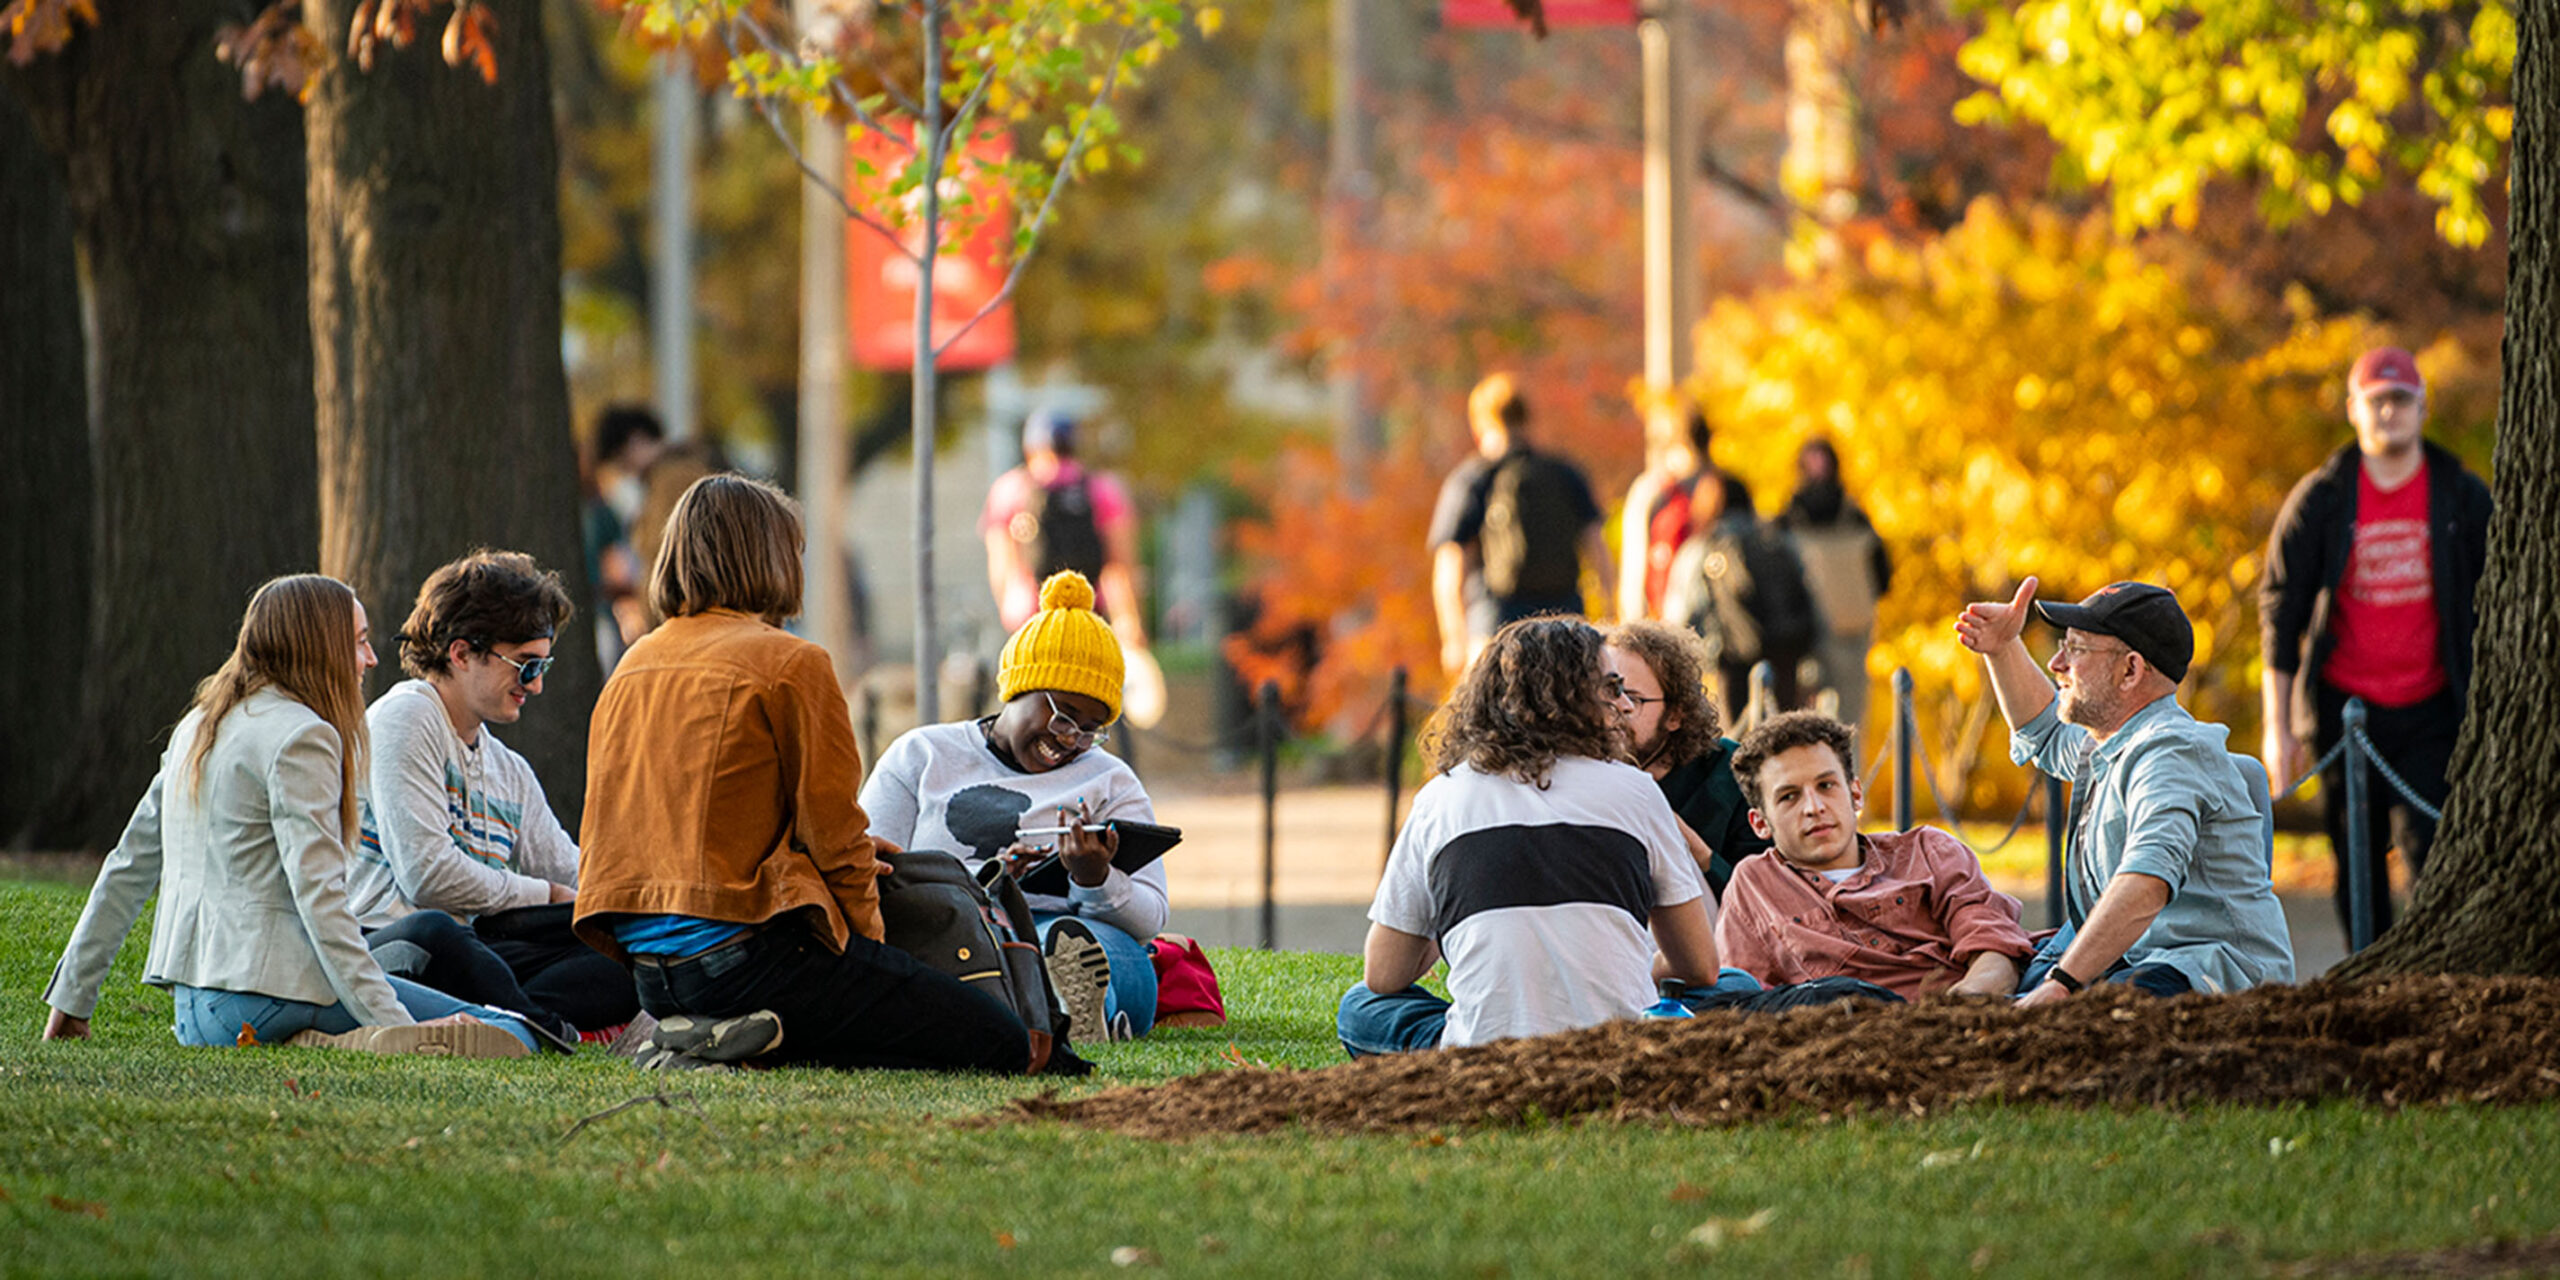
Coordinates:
[2146,617]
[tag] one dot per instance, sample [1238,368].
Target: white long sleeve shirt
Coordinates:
[458,827]
[942,787]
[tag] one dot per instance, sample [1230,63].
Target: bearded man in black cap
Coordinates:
[2168,886]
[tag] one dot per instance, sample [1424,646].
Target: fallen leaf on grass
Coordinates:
[1954,1155]
[1687,1192]
[2279,1146]
[1712,1233]
[1004,1240]
[89,1207]
[1129,1255]
[248,1037]
[1213,1244]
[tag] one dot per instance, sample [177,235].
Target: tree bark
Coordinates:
[435,305]
[44,491]
[2487,901]
[187,210]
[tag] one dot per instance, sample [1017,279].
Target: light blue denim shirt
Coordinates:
[2162,797]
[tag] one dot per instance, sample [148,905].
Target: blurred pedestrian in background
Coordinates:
[2372,570]
[1658,515]
[1512,531]
[1847,568]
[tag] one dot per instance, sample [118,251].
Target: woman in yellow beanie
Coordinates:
[969,788]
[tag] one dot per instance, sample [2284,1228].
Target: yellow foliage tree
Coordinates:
[2031,394]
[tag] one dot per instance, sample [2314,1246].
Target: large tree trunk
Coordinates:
[435,304]
[187,209]
[2490,900]
[44,490]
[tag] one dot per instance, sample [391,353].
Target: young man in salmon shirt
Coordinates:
[1907,910]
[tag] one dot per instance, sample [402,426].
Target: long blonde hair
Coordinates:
[299,636]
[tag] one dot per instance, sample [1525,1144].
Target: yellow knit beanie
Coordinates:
[1065,648]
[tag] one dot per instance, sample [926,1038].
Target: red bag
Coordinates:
[1186,987]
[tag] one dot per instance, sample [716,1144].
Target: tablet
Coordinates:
[1140,844]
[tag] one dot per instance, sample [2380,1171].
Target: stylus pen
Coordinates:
[1058,831]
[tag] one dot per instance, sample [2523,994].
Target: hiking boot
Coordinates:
[1080,972]
[632,1041]
[723,1040]
[448,1040]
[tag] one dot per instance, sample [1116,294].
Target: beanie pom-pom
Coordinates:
[1066,589]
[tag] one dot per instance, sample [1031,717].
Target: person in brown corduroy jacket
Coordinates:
[723,856]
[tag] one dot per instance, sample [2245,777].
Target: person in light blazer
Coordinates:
[244,835]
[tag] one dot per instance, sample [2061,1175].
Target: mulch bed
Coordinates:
[2392,1042]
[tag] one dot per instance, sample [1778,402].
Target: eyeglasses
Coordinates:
[1614,686]
[527,671]
[2074,648]
[1064,728]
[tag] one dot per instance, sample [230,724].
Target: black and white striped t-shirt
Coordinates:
[1539,897]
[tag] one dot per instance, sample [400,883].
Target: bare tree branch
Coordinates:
[1057,183]
[791,146]
[671,1102]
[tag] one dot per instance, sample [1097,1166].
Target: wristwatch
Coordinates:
[2061,975]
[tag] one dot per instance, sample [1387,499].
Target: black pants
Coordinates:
[570,978]
[434,949]
[2417,742]
[872,1006]
[523,961]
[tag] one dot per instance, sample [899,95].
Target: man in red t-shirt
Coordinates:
[2368,593]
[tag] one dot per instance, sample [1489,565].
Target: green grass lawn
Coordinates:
[130,1155]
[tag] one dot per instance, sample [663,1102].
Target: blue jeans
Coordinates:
[1133,971]
[1399,1022]
[1369,1023]
[1737,990]
[2156,979]
[211,1019]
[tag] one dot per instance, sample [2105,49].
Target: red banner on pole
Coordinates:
[880,278]
[1560,13]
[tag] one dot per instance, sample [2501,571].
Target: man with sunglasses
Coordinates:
[2167,888]
[460,852]
[2372,569]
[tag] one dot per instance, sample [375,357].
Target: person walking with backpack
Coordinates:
[1657,517]
[1740,584]
[1847,567]
[1512,531]
[1051,515]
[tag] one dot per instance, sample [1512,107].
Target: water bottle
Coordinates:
[1669,1005]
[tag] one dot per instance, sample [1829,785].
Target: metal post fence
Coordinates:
[2054,812]
[1906,735]
[1395,756]
[2360,851]
[1267,727]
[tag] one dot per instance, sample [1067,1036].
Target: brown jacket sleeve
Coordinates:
[813,735]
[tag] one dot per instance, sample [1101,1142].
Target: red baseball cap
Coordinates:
[2386,367]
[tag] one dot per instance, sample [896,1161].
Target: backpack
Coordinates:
[978,929]
[1058,530]
[1741,586]
[1530,542]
